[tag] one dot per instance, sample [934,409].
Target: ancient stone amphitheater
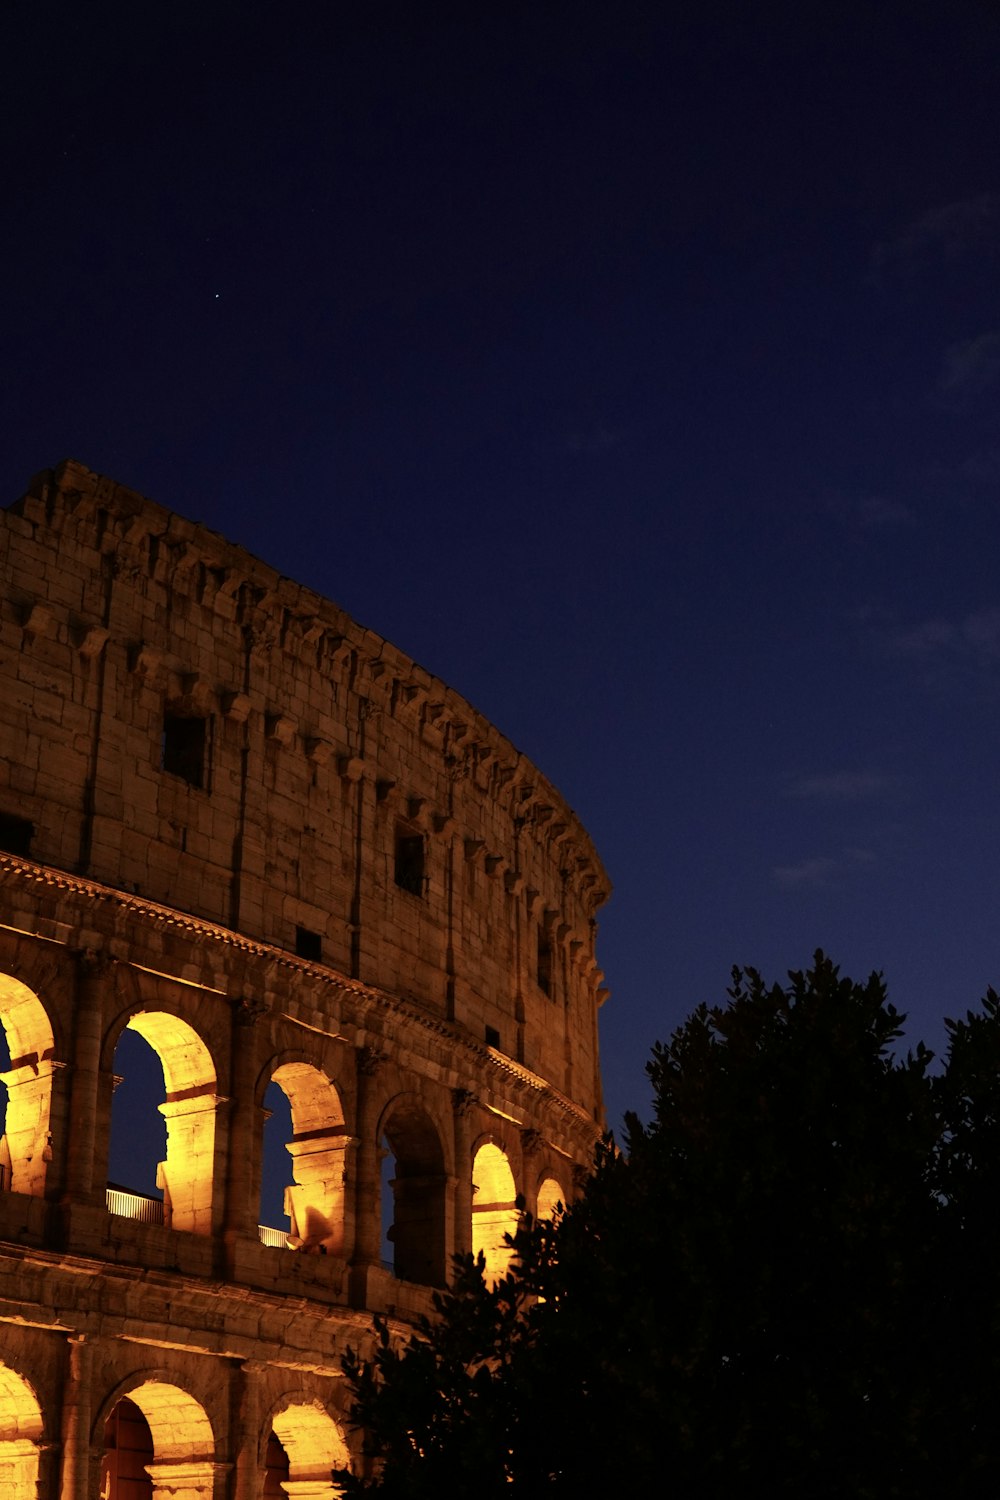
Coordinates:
[241,826]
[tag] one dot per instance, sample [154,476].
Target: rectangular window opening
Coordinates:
[409,861]
[16,835]
[183,748]
[493,1037]
[309,945]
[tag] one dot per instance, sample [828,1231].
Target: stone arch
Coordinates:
[419,1191]
[20,1436]
[186,1175]
[126,1454]
[494,1208]
[315,1444]
[183,1466]
[26,1144]
[549,1199]
[315,1203]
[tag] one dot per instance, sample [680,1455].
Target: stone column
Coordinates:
[531,1146]
[246,1435]
[186,1175]
[76,1418]
[240,1210]
[28,1138]
[315,1201]
[462,1104]
[94,972]
[367,1216]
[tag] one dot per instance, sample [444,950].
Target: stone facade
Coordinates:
[240,825]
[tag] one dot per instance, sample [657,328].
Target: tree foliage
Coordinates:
[786,1284]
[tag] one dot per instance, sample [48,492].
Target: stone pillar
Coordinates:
[27,1136]
[531,1146]
[315,1203]
[367,1215]
[76,1418]
[240,1209]
[246,1435]
[462,1104]
[186,1175]
[93,974]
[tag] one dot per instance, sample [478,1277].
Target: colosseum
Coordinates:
[260,840]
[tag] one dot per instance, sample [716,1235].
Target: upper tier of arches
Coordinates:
[458,1165]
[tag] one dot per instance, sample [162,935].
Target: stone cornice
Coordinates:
[500,1072]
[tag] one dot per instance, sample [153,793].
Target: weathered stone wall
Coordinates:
[324,746]
[264,840]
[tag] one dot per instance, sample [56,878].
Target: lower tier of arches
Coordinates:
[88,1418]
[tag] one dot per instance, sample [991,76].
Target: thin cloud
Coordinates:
[869,512]
[951,233]
[982,468]
[817,871]
[970,368]
[594,441]
[877,511]
[930,637]
[840,786]
[822,871]
[975,637]
[981,632]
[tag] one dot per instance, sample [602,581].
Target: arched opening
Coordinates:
[275,1167]
[275,1470]
[20,1435]
[138,1141]
[494,1214]
[25,1145]
[551,1199]
[164,1448]
[417,1232]
[387,1176]
[185,1171]
[128,1452]
[313,1444]
[314,1199]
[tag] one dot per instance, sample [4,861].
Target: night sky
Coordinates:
[634,367]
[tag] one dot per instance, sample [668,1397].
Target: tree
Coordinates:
[785,1285]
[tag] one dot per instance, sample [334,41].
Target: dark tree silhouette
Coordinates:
[786,1285]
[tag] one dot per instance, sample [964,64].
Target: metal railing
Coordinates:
[276,1237]
[135,1206]
[145,1210]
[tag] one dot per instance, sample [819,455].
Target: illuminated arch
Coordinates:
[186,1176]
[494,1213]
[20,1436]
[183,1466]
[315,1202]
[418,1192]
[127,1454]
[26,1146]
[315,1444]
[550,1199]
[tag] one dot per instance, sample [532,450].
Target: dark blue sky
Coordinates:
[635,368]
